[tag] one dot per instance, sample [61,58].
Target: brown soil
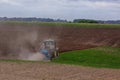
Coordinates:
[47,71]
[25,38]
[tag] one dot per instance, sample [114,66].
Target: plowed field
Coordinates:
[48,71]
[21,38]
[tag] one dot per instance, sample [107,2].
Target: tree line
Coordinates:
[30,19]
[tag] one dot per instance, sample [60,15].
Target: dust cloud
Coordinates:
[33,57]
[23,42]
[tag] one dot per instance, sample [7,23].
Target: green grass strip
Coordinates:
[102,57]
[60,24]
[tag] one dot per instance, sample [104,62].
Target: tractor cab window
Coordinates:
[49,44]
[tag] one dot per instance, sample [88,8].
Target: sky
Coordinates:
[63,9]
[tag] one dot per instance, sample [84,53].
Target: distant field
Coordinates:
[96,57]
[88,25]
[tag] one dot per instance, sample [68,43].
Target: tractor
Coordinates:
[49,49]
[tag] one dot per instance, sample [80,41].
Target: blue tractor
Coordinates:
[49,49]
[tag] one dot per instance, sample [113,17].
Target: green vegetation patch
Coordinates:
[105,57]
[60,24]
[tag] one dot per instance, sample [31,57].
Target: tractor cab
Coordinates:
[49,49]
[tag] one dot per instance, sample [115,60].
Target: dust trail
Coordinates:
[33,56]
[23,41]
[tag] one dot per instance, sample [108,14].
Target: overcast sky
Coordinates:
[64,9]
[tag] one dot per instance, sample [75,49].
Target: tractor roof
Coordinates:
[49,40]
